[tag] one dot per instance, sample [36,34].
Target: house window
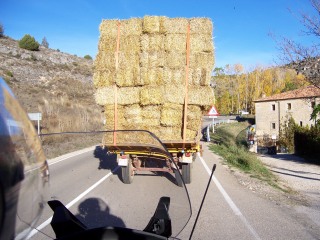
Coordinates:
[313,104]
[289,106]
[273,126]
[300,123]
[273,107]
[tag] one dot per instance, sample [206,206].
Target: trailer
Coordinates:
[133,158]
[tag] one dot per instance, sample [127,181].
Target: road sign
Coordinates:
[36,117]
[213,111]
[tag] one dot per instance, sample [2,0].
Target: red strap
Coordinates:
[116,90]
[186,86]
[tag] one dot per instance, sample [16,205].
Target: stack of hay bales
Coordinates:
[148,67]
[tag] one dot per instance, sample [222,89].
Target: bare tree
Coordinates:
[304,59]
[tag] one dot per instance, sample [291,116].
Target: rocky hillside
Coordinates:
[58,85]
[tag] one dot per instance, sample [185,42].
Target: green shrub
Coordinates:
[9,73]
[307,143]
[28,42]
[88,57]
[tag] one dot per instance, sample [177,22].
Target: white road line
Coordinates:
[70,204]
[232,205]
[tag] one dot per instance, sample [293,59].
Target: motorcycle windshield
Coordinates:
[112,179]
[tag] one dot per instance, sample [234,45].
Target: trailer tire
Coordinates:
[127,173]
[186,172]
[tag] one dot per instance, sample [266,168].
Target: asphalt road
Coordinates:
[84,182]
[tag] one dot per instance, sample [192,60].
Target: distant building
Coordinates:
[271,112]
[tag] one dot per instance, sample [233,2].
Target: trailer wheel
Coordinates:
[127,173]
[186,172]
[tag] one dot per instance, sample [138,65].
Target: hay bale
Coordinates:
[175,42]
[130,43]
[200,95]
[131,26]
[152,42]
[201,43]
[132,114]
[151,76]
[175,60]
[201,26]
[171,114]
[174,25]
[174,93]
[151,24]
[152,59]
[174,76]
[151,112]
[125,95]
[202,60]
[128,77]
[103,78]
[150,95]
[199,77]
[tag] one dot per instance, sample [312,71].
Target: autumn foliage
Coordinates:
[236,89]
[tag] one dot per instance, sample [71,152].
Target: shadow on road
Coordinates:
[106,161]
[297,172]
[295,175]
[94,212]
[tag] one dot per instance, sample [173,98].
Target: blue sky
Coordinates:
[241,27]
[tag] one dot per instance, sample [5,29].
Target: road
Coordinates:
[84,181]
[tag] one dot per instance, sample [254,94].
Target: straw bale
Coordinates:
[194,112]
[175,60]
[127,137]
[151,24]
[171,114]
[201,43]
[125,95]
[133,114]
[202,60]
[175,42]
[152,59]
[109,115]
[150,95]
[200,95]
[129,43]
[103,78]
[176,134]
[174,25]
[127,77]
[197,95]
[194,124]
[151,112]
[152,42]
[200,77]
[131,26]
[201,25]
[104,61]
[151,76]
[174,93]
[174,76]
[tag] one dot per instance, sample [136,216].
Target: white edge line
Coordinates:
[232,205]
[70,204]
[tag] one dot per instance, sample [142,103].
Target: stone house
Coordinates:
[271,112]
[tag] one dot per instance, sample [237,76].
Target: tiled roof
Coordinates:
[306,92]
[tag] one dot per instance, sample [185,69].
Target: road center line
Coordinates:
[70,204]
[232,205]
